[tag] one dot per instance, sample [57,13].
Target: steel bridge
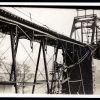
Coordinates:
[74,76]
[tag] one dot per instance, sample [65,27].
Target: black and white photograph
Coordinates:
[49,49]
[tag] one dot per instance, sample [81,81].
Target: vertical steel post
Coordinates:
[53,76]
[81,32]
[38,59]
[14,44]
[45,64]
[77,12]
[59,81]
[75,34]
[64,56]
[93,12]
[80,71]
[96,35]
[85,13]
[14,41]
[93,31]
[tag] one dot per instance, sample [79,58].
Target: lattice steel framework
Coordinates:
[74,76]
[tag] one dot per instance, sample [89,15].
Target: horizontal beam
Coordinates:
[26,83]
[86,16]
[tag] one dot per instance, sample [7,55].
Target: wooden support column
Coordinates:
[14,45]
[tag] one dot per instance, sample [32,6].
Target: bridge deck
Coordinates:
[27,29]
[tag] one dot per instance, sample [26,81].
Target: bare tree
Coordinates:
[23,75]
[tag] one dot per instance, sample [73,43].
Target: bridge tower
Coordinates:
[84,27]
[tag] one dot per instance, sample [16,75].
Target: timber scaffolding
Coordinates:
[77,59]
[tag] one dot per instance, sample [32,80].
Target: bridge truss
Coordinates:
[73,76]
